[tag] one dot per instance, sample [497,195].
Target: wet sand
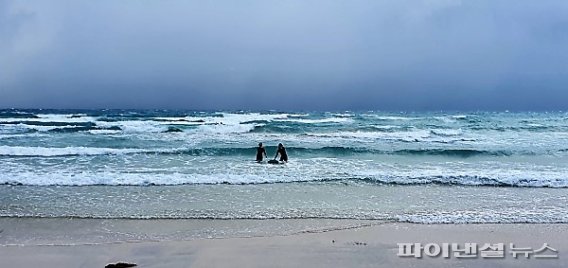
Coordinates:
[28,242]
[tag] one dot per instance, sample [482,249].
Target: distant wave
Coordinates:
[11,114]
[390,117]
[299,151]
[49,124]
[276,128]
[93,130]
[359,125]
[60,127]
[295,127]
[321,120]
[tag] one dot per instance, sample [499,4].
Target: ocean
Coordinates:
[421,167]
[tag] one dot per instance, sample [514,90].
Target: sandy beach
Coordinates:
[28,242]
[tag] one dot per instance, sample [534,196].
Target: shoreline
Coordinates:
[291,243]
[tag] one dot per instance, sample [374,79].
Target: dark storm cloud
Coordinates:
[387,55]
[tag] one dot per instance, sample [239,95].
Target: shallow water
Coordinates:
[327,200]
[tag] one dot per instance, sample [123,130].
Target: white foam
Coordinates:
[174,118]
[402,135]
[83,178]
[45,151]
[447,132]
[385,127]
[149,169]
[297,115]
[293,174]
[46,118]
[323,120]
[225,129]
[461,174]
[14,129]
[343,115]
[104,131]
[135,126]
[460,116]
[233,123]
[391,117]
[493,216]
[227,123]
[233,119]
[535,125]
[43,128]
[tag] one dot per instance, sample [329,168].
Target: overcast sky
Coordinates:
[296,54]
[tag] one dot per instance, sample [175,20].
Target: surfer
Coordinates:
[282,151]
[260,151]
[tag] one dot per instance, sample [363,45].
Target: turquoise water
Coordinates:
[363,165]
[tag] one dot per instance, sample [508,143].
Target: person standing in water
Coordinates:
[260,151]
[282,151]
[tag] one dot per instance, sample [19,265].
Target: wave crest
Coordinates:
[149,179]
[7,151]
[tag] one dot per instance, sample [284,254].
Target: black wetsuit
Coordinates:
[283,154]
[259,152]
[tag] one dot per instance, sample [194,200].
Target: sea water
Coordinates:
[434,167]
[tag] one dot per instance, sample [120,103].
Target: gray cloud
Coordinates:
[389,55]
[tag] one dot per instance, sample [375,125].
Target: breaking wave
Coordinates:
[149,179]
[7,151]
